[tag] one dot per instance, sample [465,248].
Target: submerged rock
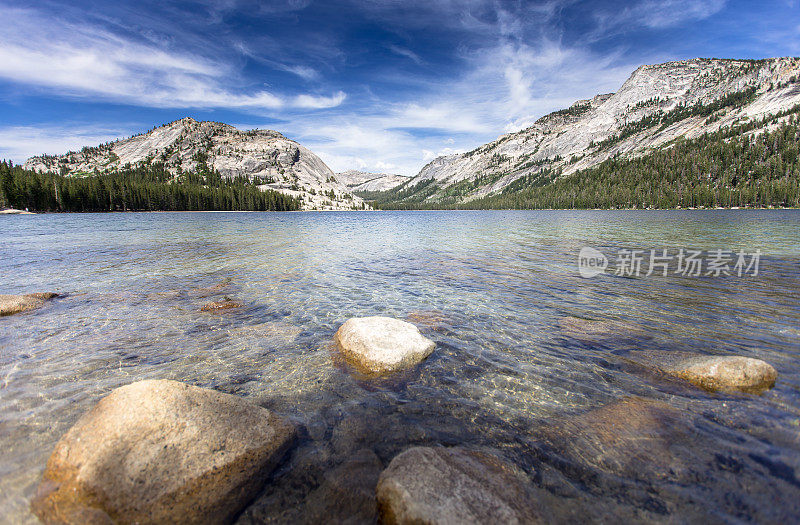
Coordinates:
[379,345]
[633,437]
[161,451]
[215,289]
[453,485]
[728,373]
[590,331]
[431,319]
[218,306]
[12,304]
[278,331]
[347,494]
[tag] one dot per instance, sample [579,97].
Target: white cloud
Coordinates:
[305,72]
[356,143]
[20,142]
[656,14]
[308,101]
[404,52]
[302,71]
[85,61]
[385,165]
[450,115]
[665,13]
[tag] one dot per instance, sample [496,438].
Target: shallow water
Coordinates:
[489,287]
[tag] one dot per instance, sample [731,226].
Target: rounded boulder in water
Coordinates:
[381,345]
[162,451]
[727,373]
[14,304]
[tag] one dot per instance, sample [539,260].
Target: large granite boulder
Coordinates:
[379,345]
[12,304]
[453,485]
[727,373]
[162,452]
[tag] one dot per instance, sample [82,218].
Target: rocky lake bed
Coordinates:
[281,369]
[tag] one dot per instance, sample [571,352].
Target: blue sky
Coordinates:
[372,85]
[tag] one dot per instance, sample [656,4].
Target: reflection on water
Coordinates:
[491,288]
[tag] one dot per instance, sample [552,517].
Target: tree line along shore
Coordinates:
[144,187]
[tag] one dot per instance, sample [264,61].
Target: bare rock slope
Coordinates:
[651,109]
[363,181]
[264,156]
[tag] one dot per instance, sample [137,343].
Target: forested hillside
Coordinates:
[145,187]
[741,166]
[658,106]
[186,145]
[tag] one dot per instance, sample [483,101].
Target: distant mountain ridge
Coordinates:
[656,106]
[263,156]
[361,181]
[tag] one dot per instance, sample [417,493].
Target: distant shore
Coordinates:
[12,211]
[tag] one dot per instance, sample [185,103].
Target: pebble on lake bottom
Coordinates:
[224,304]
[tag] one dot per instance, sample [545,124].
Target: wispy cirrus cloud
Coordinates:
[20,142]
[653,14]
[666,13]
[76,60]
[405,52]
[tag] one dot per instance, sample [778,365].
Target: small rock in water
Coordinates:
[379,345]
[727,373]
[161,451]
[12,304]
[589,331]
[225,304]
[454,485]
